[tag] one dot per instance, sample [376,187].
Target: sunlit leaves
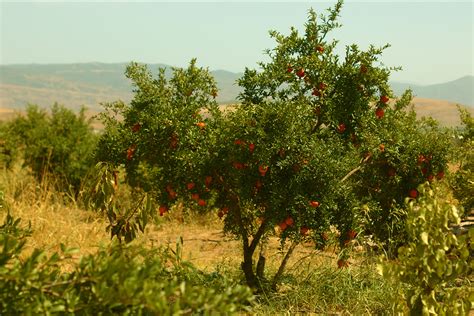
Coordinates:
[434,260]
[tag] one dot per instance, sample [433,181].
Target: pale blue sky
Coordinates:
[431,40]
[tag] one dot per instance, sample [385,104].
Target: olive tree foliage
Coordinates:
[295,157]
[434,263]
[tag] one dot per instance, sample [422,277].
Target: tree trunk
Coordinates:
[247,267]
[248,246]
[277,276]
[261,263]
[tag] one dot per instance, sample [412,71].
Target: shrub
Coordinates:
[434,261]
[124,280]
[59,144]
[8,145]
[463,178]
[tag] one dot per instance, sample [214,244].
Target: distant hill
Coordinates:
[93,83]
[443,111]
[457,91]
[82,84]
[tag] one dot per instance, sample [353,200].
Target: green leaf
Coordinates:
[424,238]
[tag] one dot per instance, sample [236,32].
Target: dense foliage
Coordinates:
[56,146]
[463,178]
[434,259]
[117,279]
[402,153]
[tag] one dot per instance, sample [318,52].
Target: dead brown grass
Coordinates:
[206,246]
[55,222]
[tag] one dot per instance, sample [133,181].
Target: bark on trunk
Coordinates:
[277,276]
[261,263]
[247,267]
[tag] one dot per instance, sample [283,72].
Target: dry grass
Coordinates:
[206,246]
[311,283]
[55,222]
[443,111]
[52,221]
[7,114]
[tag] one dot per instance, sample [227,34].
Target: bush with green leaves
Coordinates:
[57,144]
[299,154]
[463,179]
[115,280]
[8,146]
[435,263]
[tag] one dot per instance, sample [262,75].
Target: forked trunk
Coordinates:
[247,267]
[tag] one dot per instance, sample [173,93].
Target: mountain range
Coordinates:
[83,84]
[90,84]
[458,91]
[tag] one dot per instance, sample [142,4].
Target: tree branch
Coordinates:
[319,122]
[353,171]
[283,263]
[258,236]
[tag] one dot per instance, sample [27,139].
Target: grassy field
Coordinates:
[312,282]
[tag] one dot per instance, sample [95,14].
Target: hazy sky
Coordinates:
[431,40]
